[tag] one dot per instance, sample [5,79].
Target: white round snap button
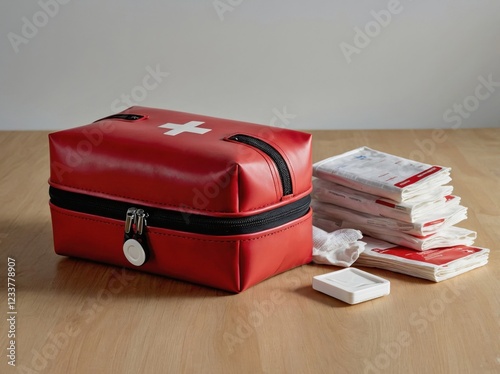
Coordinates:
[134,252]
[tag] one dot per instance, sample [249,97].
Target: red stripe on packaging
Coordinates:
[432,223]
[386,203]
[417,177]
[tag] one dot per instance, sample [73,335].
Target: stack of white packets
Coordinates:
[396,200]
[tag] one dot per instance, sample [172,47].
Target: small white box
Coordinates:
[351,285]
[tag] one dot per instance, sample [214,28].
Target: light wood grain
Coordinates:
[81,317]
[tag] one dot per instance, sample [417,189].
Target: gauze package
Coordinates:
[447,237]
[341,247]
[382,174]
[337,194]
[435,265]
[428,225]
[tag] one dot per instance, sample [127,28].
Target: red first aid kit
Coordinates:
[206,200]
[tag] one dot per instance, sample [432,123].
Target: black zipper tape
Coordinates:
[284,172]
[181,221]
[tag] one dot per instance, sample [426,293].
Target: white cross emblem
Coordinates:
[191,126]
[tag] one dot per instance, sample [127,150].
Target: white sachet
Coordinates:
[411,211]
[446,217]
[341,247]
[382,174]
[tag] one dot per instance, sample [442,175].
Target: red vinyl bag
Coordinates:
[206,200]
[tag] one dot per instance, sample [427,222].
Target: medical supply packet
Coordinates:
[435,264]
[410,211]
[439,220]
[447,237]
[382,174]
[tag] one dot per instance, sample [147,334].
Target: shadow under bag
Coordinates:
[206,200]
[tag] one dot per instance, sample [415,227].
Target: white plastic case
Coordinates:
[351,285]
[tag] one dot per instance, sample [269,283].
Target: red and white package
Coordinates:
[435,265]
[410,211]
[382,174]
[447,237]
[427,225]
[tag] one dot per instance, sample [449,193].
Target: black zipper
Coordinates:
[181,221]
[284,172]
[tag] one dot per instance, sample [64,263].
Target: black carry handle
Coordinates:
[123,116]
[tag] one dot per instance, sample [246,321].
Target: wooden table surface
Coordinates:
[75,316]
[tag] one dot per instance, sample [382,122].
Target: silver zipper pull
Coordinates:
[135,243]
[141,221]
[129,219]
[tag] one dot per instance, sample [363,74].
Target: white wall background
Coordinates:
[67,62]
